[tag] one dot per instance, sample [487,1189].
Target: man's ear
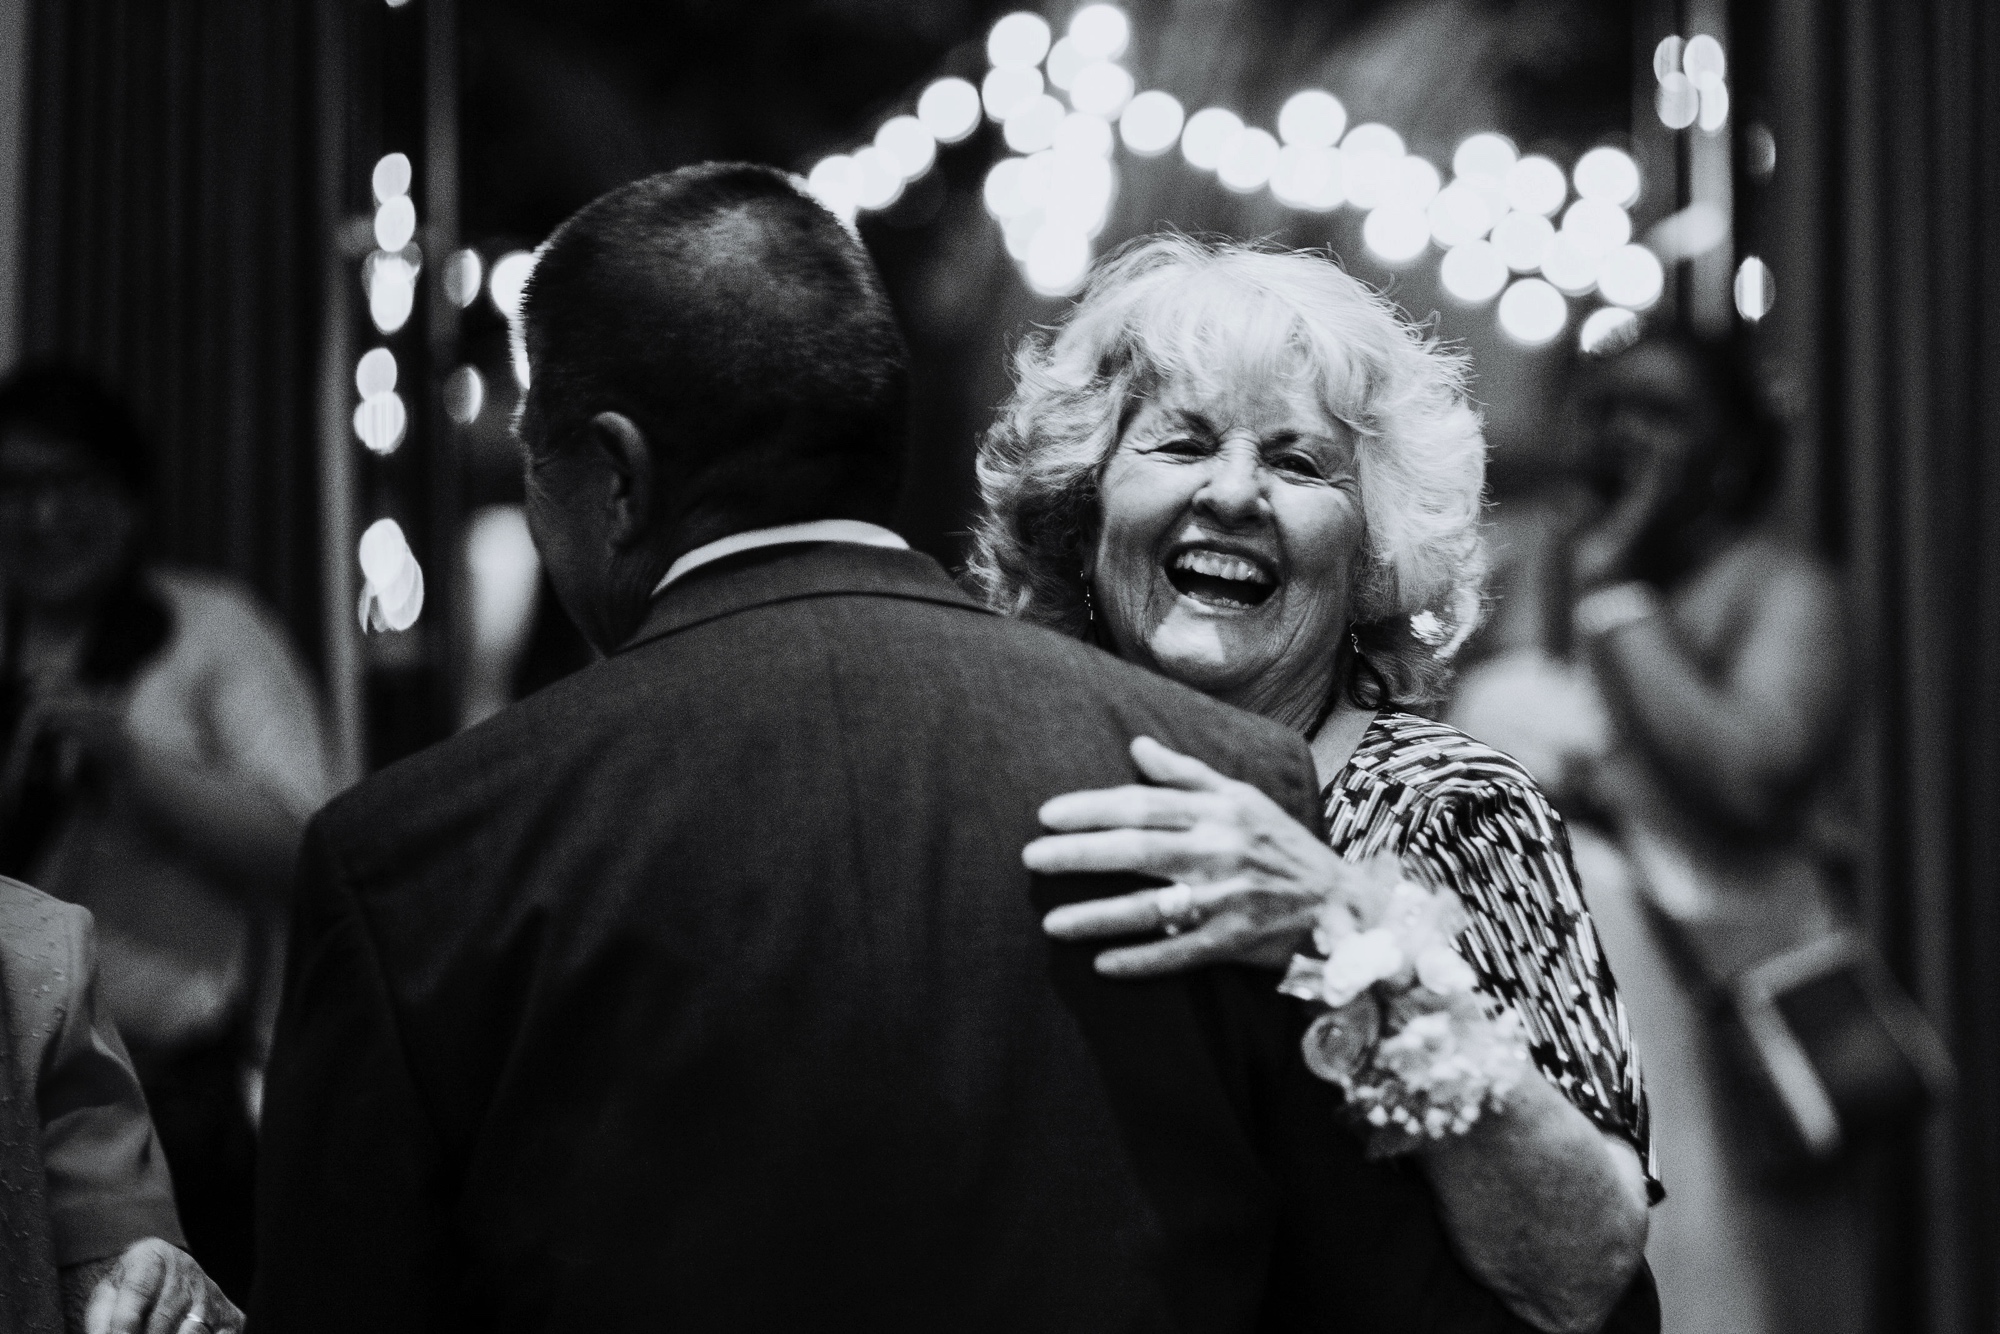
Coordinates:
[627,453]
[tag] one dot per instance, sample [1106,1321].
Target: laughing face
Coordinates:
[1231,524]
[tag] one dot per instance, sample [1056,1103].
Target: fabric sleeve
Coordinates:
[107,1178]
[353,1197]
[1503,849]
[263,715]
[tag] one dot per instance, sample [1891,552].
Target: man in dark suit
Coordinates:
[706,989]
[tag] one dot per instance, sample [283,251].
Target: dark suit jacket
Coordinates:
[705,990]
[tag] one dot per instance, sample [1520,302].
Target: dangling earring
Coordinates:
[1089,608]
[1354,642]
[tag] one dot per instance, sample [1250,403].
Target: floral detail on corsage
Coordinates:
[1419,1054]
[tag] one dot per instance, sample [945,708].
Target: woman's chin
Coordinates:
[1207,648]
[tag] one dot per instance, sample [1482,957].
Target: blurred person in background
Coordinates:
[1692,696]
[1244,471]
[162,750]
[92,1241]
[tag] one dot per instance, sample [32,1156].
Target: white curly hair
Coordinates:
[1173,308]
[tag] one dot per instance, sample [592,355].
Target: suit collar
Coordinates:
[785,574]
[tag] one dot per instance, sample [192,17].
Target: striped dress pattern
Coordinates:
[1467,818]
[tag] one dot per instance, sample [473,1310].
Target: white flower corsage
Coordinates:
[1419,1054]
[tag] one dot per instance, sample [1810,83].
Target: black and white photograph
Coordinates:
[1000,666]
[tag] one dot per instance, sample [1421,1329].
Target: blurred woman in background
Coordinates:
[160,751]
[1692,696]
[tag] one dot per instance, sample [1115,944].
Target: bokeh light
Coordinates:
[1151,123]
[1075,190]
[833,181]
[1678,101]
[908,144]
[1396,233]
[1631,276]
[1018,41]
[1523,241]
[390,179]
[1100,31]
[1081,133]
[395,223]
[464,394]
[1608,329]
[1667,58]
[1609,174]
[392,290]
[1536,185]
[1057,261]
[1314,118]
[375,373]
[1488,155]
[1568,267]
[1206,134]
[1247,160]
[1414,183]
[1755,291]
[1459,214]
[1065,59]
[1368,158]
[1101,88]
[1598,228]
[949,109]
[1473,272]
[1532,312]
[392,592]
[1033,126]
[1714,113]
[878,182]
[463,277]
[509,278]
[1703,57]
[1006,91]
[380,420]
[1002,191]
[1308,177]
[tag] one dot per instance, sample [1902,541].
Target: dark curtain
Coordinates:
[1889,315]
[173,244]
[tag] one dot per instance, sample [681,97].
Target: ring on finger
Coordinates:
[1177,909]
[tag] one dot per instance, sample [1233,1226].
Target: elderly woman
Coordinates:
[1245,471]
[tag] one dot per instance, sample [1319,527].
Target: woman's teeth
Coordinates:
[1220,579]
[1218,566]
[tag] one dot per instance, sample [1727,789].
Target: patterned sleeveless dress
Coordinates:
[1466,817]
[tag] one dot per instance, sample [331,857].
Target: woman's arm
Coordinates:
[1544,1208]
[1740,737]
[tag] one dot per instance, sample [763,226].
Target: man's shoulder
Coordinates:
[43,941]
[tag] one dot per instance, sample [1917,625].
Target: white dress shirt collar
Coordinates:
[819,530]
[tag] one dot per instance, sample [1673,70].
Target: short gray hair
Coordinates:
[1170,307]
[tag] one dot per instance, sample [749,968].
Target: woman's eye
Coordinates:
[1299,465]
[1183,447]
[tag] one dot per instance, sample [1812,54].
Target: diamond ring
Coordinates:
[1176,907]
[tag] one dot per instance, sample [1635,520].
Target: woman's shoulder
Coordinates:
[1407,750]
[1410,773]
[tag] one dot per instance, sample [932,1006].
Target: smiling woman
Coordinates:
[1245,471]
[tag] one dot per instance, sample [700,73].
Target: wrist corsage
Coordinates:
[1419,1054]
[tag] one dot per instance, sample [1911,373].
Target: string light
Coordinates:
[464,394]
[390,178]
[1532,312]
[463,277]
[509,280]
[909,145]
[1018,41]
[392,591]
[1207,133]
[1247,160]
[1473,272]
[1100,31]
[1151,123]
[1314,118]
[1608,329]
[949,109]
[1608,174]
[1631,276]
[1754,290]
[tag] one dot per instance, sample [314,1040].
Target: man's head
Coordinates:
[710,351]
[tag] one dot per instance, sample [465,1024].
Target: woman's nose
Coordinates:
[1234,489]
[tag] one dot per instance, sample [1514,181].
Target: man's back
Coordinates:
[706,989]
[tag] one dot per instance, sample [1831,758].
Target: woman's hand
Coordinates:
[1253,876]
[159,1289]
